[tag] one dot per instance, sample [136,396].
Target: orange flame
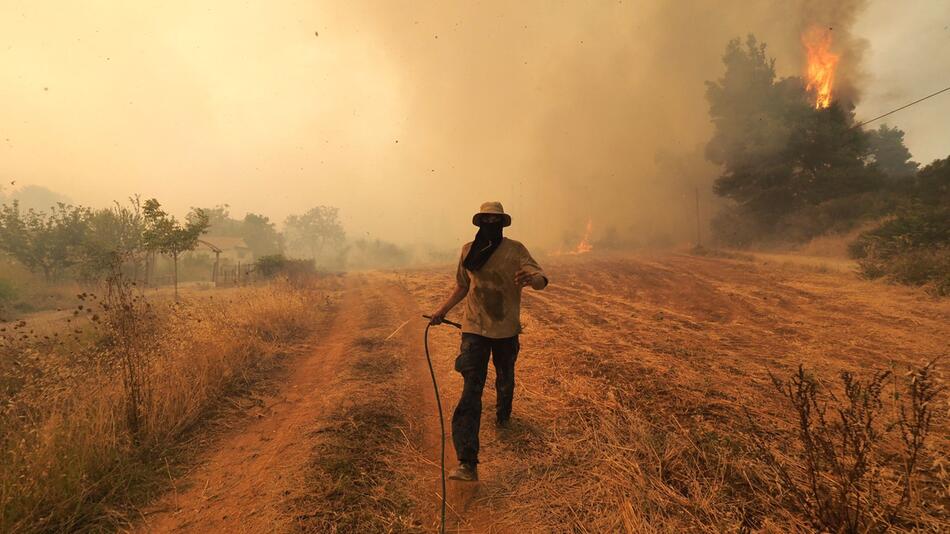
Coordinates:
[821,64]
[585,246]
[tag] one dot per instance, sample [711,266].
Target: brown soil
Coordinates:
[693,336]
[241,484]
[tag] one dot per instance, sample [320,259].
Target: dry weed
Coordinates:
[79,447]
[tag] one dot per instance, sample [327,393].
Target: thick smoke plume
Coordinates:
[569,111]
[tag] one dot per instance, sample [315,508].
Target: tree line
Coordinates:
[78,242]
[88,243]
[308,235]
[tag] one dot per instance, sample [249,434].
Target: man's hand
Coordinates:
[437,318]
[524,278]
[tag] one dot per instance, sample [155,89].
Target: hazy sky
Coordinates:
[406,115]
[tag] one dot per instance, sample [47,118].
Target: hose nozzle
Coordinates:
[446,321]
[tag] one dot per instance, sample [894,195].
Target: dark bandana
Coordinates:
[486,241]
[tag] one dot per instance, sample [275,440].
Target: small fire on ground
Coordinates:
[584,246]
[820,75]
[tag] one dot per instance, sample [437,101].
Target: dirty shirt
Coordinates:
[493,304]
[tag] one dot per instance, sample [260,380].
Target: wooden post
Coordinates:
[148,266]
[699,241]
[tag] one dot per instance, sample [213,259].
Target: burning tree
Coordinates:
[785,146]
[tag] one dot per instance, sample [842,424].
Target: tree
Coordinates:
[778,153]
[260,235]
[114,238]
[932,183]
[44,242]
[221,223]
[313,230]
[164,234]
[889,154]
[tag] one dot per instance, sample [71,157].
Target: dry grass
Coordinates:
[614,447]
[634,379]
[70,460]
[22,292]
[834,245]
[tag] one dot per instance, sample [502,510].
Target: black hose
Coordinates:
[438,403]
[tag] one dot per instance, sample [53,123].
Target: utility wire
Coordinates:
[945,89]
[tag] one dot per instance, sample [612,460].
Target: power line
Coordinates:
[945,89]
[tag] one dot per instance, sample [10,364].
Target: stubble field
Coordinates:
[644,403]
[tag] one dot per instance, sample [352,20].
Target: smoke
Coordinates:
[405,116]
[566,111]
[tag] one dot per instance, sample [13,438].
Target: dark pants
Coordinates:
[472,362]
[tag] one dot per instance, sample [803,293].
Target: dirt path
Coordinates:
[255,478]
[242,483]
[465,512]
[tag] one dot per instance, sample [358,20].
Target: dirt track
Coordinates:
[695,335]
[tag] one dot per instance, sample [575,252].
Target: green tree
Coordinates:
[164,234]
[260,235]
[44,242]
[932,183]
[314,230]
[115,238]
[778,154]
[889,153]
[221,223]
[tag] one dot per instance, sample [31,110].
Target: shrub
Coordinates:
[912,248]
[734,227]
[7,291]
[278,264]
[842,474]
[837,215]
[7,295]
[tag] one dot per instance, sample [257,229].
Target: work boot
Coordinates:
[465,473]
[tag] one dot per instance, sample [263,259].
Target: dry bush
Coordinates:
[846,472]
[90,415]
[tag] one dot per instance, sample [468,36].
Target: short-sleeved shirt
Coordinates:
[493,304]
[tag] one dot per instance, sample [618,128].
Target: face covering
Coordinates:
[486,241]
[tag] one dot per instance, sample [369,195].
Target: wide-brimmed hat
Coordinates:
[492,208]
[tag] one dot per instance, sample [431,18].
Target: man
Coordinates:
[492,271]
